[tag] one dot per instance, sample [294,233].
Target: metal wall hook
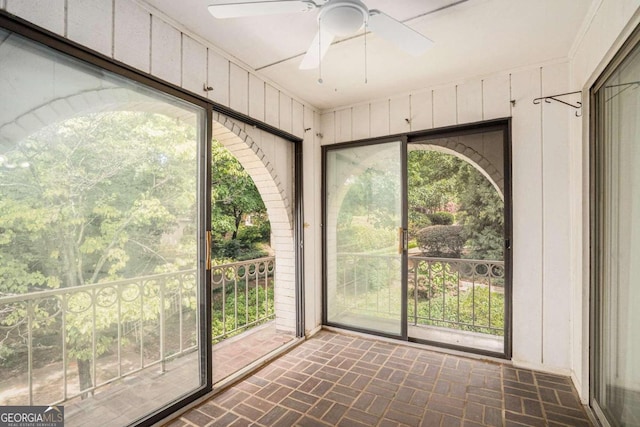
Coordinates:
[548,99]
[635,84]
[623,86]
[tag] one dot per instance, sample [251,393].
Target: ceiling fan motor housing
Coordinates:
[343,17]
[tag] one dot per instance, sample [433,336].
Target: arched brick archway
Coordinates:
[59,109]
[462,151]
[277,200]
[257,164]
[474,157]
[230,133]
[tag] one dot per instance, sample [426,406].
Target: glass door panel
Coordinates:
[617,247]
[457,283]
[365,238]
[101,299]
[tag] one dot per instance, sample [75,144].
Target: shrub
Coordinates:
[441,241]
[249,235]
[360,238]
[227,249]
[253,253]
[468,311]
[237,250]
[417,221]
[250,306]
[441,218]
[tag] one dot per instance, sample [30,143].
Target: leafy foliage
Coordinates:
[441,241]
[441,218]
[433,278]
[234,198]
[250,305]
[99,197]
[372,196]
[464,310]
[482,214]
[440,185]
[432,186]
[362,237]
[233,193]
[93,204]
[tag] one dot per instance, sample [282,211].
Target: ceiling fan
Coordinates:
[337,18]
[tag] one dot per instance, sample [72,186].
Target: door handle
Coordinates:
[403,240]
[208,249]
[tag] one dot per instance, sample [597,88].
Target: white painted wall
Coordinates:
[312,179]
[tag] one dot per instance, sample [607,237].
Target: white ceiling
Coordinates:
[472,38]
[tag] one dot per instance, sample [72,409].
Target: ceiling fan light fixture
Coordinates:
[343,17]
[337,18]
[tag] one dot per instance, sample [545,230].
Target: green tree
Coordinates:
[438,181]
[372,195]
[482,215]
[234,196]
[432,185]
[90,201]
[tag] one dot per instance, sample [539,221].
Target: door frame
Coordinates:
[404,222]
[597,223]
[503,125]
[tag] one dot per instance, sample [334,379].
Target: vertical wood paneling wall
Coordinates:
[540,156]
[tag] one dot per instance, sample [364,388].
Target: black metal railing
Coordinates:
[463,294]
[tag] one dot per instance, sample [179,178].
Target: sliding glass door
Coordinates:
[616,245]
[458,199]
[102,204]
[416,237]
[365,237]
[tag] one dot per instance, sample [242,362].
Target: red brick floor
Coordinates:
[233,354]
[339,380]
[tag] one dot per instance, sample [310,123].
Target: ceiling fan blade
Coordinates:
[317,50]
[398,33]
[259,8]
